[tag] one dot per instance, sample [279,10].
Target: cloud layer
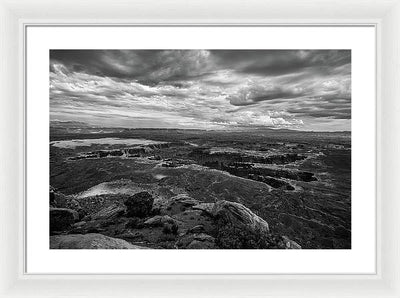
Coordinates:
[204,89]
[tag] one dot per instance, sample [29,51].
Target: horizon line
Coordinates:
[202,129]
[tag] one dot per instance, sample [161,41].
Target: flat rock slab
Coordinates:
[89,241]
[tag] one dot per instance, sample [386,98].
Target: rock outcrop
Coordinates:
[245,165]
[205,155]
[180,221]
[137,151]
[89,241]
[238,227]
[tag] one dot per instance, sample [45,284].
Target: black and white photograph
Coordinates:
[200,149]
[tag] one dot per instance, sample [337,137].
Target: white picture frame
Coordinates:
[16,15]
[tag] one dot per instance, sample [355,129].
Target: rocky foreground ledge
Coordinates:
[140,221]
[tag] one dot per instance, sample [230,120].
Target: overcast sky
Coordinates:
[204,89]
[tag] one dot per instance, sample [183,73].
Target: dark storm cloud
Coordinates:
[295,74]
[186,64]
[280,62]
[148,66]
[203,89]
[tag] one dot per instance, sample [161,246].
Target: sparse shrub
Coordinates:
[170,228]
[167,240]
[52,198]
[134,223]
[139,205]
[174,229]
[156,211]
[106,223]
[93,230]
[233,237]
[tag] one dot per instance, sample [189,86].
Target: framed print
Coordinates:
[234,155]
[159,144]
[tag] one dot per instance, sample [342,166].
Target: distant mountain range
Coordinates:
[77,126]
[68,124]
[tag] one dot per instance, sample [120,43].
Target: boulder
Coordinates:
[89,241]
[62,218]
[239,228]
[139,205]
[111,212]
[235,214]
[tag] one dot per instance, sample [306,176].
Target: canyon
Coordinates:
[298,183]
